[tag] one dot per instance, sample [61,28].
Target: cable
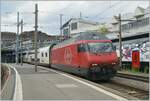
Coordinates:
[99,14]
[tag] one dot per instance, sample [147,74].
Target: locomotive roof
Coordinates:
[89,36]
[82,36]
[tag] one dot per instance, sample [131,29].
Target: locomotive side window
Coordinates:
[81,48]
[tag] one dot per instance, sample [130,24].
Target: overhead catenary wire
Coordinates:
[54,13]
[99,15]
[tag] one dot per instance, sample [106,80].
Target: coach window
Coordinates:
[45,54]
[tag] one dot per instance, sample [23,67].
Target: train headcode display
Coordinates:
[136,59]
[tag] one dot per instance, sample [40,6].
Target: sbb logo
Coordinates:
[68,55]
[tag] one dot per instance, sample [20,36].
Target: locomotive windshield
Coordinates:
[100,47]
[96,47]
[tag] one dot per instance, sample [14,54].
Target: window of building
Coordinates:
[66,31]
[45,54]
[74,26]
[42,55]
[136,24]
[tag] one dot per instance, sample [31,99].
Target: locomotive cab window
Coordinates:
[100,47]
[81,47]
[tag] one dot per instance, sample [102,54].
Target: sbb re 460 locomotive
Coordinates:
[88,54]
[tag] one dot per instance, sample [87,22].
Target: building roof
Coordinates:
[65,24]
[139,11]
[79,20]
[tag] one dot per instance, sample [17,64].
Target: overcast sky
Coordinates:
[99,11]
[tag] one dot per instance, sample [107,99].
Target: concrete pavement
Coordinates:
[8,91]
[50,85]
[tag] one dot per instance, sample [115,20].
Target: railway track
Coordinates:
[133,77]
[126,90]
[134,93]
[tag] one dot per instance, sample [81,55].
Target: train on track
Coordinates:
[88,54]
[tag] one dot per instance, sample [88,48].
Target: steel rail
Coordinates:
[133,77]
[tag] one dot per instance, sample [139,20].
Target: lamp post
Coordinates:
[35,37]
[120,41]
[61,15]
[21,43]
[118,18]
[17,38]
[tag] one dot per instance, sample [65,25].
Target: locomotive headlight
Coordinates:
[94,65]
[113,63]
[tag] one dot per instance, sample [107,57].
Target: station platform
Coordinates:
[48,84]
[8,89]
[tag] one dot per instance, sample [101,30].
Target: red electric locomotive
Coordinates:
[88,54]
